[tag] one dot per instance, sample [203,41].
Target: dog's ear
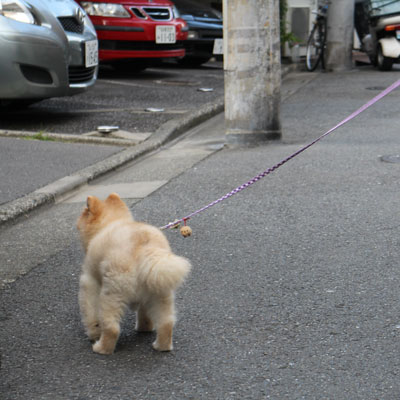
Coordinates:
[93,204]
[113,198]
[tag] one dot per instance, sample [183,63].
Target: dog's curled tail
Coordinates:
[165,271]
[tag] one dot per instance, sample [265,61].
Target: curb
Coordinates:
[55,191]
[67,138]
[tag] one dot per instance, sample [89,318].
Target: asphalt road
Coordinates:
[294,292]
[27,165]
[122,99]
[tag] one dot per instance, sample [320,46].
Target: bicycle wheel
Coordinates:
[315,47]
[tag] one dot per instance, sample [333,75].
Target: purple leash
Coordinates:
[284,161]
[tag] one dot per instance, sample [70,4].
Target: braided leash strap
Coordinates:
[385,92]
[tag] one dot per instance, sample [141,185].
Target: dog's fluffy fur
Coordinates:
[127,264]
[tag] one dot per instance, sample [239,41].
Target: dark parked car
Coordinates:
[205,31]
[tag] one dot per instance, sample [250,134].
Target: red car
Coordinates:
[133,33]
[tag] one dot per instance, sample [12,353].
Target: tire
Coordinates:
[383,63]
[315,47]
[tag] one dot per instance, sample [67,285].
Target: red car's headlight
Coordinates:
[105,9]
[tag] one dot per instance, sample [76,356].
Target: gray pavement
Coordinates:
[294,292]
[22,163]
[122,99]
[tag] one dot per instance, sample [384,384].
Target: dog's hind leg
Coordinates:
[162,311]
[89,290]
[111,310]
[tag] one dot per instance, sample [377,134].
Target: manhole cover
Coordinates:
[376,88]
[395,158]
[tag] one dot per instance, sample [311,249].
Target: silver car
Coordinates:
[48,48]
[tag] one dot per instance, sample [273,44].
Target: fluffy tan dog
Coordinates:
[127,264]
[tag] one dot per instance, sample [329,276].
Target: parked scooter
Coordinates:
[378,26]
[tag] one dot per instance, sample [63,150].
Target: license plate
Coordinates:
[91,53]
[165,34]
[218,46]
[398,35]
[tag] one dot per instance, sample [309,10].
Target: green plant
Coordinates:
[40,136]
[286,37]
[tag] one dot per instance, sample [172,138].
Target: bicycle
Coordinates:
[317,40]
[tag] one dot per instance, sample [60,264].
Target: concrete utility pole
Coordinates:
[252,67]
[340,35]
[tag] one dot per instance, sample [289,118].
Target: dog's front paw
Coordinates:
[100,349]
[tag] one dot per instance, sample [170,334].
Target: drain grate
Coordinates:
[394,158]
